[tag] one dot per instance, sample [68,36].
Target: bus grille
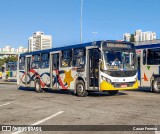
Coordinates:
[122,73]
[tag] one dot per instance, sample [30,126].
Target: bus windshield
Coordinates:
[11,66]
[119,60]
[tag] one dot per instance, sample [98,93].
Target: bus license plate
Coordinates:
[123,85]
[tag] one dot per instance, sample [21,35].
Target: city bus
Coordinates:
[148,55]
[81,68]
[9,71]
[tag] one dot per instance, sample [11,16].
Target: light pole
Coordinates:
[81,22]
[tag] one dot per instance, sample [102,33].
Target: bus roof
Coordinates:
[148,46]
[96,43]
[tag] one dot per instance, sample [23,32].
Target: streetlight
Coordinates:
[81,22]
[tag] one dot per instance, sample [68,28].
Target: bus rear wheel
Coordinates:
[156,85]
[113,92]
[38,88]
[80,89]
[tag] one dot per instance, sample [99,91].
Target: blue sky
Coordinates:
[61,19]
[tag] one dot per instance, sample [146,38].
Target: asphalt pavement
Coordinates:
[23,106]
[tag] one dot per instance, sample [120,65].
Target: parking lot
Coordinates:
[23,106]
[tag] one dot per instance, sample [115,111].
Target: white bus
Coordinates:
[149,66]
[82,68]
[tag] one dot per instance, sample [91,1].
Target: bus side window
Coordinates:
[79,58]
[3,69]
[21,63]
[12,67]
[55,61]
[35,61]
[45,60]
[149,57]
[138,61]
[153,56]
[8,68]
[144,57]
[66,58]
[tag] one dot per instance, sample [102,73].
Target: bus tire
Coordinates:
[112,92]
[38,87]
[80,89]
[156,85]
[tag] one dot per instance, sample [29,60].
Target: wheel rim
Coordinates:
[80,88]
[157,85]
[37,86]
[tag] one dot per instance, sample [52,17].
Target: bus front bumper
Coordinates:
[121,86]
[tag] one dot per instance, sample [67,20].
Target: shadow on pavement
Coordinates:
[102,94]
[26,88]
[142,89]
[69,92]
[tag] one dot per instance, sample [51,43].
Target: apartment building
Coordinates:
[39,41]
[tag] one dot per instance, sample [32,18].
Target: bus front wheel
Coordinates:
[113,92]
[38,88]
[80,89]
[156,85]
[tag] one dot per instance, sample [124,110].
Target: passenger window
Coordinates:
[153,56]
[45,60]
[144,57]
[36,61]
[21,63]
[8,68]
[79,57]
[66,58]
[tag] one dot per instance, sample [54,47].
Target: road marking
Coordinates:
[4,104]
[41,121]
[54,115]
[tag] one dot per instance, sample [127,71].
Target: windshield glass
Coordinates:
[119,60]
[11,67]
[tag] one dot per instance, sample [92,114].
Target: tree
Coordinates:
[8,59]
[2,61]
[132,39]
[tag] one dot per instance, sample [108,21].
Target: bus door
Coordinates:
[54,70]
[27,70]
[94,68]
[146,72]
[139,69]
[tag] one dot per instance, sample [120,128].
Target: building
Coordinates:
[8,51]
[39,41]
[21,49]
[137,43]
[140,36]
[126,36]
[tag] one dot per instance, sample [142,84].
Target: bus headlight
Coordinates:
[106,79]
